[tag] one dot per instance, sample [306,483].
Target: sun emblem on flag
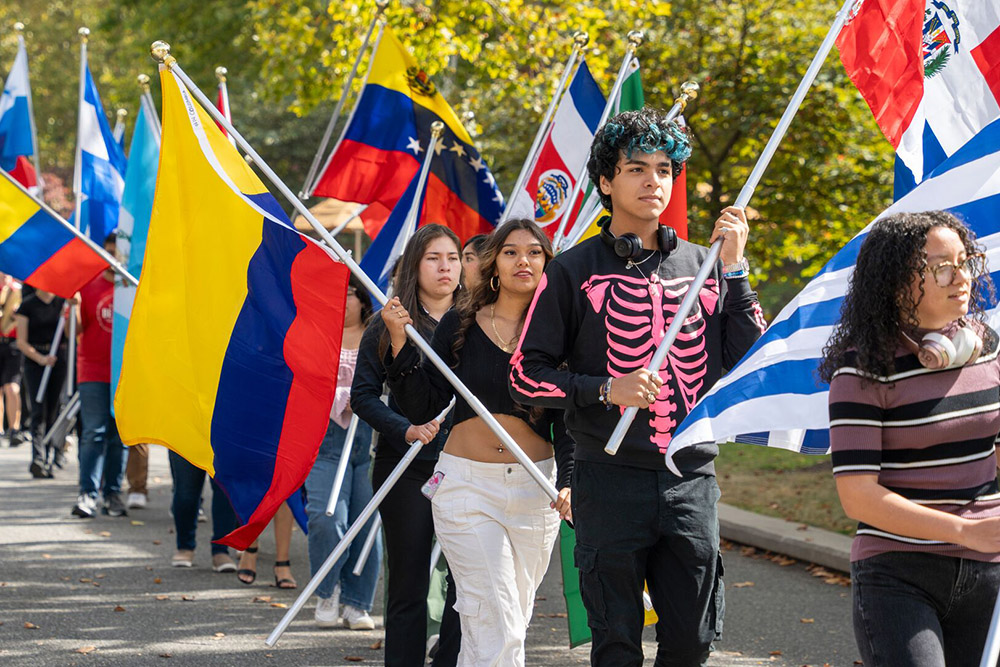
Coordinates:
[941,37]
[419,82]
[553,190]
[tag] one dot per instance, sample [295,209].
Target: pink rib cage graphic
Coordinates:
[637,315]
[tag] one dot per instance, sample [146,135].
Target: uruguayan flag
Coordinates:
[133,225]
[100,167]
[773,396]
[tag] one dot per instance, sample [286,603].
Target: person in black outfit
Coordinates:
[37,318]
[429,273]
[601,309]
[493,520]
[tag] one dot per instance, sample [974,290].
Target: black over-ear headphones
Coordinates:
[629,246]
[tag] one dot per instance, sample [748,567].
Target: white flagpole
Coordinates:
[634,40]
[992,649]
[366,548]
[146,100]
[119,130]
[580,40]
[345,458]
[53,350]
[689,91]
[339,228]
[308,185]
[435,556]
[84,33]
[220,74]
[114,263]
[741,201]
[19,28]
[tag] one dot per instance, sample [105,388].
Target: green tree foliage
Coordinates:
[501,60]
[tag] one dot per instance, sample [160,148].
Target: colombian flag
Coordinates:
[39,249]
[386,140]
[233,346]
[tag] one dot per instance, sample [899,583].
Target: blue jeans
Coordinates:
[915,609]
[326,531]
[189,481]
[101,450]
[635,525]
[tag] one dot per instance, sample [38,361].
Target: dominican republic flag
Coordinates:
[930,71]
[563,154]
[100,166]
[16,137]
[773,396]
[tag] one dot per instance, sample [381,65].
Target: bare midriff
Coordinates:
[473,440]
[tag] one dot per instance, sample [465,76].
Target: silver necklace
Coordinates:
[651,276]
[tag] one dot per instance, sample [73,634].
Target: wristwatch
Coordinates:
[740,269]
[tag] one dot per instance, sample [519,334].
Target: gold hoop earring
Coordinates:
[495,288]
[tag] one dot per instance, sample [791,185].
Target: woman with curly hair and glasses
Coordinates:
[914,415]
[495,524]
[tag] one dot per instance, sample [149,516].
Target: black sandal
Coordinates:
[245,572]
[284,583]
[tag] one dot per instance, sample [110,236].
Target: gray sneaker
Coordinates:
[86,506]
[115,506]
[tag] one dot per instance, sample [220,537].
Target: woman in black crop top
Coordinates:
[496,526]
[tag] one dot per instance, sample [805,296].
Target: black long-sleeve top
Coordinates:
[604,318]
[422,391]
[366,400]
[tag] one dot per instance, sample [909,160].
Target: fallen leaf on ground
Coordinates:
[46,555]
[85,580]
[119,608]
[353,658]
[149,568]
[743,584]
[279,605]
[187,598]
[96,584]
[162,597]
[376,646]
[138,523]
[262,598]
[104,533]
[166,655]
[775,653]
[157,542]
[100,576]
[540,597]
[28,625]
[86,649]
[157,581]
[219,635]
[65,578]
[747,551]
[807,620]
[558,614]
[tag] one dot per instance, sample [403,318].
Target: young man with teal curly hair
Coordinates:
[604,305]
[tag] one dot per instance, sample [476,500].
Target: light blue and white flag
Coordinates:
[773,396]
[391,240]
[133,225]
[17,134]
[100,167]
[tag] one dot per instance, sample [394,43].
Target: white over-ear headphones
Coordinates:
[938,351]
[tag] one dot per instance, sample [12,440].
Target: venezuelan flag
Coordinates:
[232,350]
[38,249]
[386,139]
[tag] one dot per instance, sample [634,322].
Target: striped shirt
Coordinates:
[929,435]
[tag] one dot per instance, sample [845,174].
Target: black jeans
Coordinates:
[409,529]
[44,414]
[635,525]
[922,610]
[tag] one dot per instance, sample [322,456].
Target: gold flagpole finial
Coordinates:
[381,5]
[635,38]
[581,38]
[19,27]
[160,51]
[220,74]
[689,91]
[143,80]
[120,115]
[84,33]
[437,127]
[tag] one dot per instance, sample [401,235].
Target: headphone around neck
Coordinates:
[629,246]
[938,351]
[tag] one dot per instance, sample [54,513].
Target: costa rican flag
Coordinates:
[563,154]
[16,137]
[930,71]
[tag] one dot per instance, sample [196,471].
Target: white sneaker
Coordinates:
[357,619]
[86,507]
[328,611]
[136,501]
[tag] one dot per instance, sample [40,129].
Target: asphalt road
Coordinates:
[102,592]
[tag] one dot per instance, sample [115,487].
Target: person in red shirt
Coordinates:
[102,453]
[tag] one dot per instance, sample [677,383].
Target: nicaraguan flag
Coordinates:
[773,396]
[100,169]
[133,226]
[16,144]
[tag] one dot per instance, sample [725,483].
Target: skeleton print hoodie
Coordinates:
[595,316]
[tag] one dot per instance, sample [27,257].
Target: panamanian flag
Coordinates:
[773,396]
[563,154]
[16,138]
[929,70]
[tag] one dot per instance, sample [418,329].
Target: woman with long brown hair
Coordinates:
[429,273]
[495,525]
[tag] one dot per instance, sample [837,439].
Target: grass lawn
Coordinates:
[776,482]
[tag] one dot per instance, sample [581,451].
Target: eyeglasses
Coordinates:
[944,273]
